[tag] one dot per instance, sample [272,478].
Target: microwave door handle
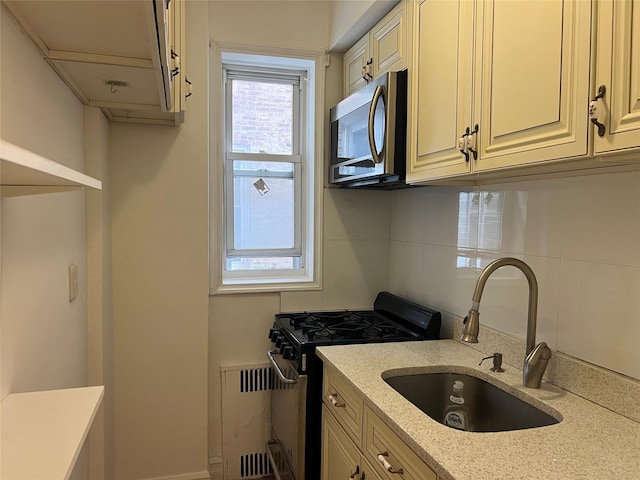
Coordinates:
[377,158]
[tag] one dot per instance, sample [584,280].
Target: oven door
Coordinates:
[286,449]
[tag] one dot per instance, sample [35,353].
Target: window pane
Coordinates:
[263,263]
[263,206]
[262,117]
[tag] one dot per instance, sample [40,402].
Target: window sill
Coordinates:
[264,288]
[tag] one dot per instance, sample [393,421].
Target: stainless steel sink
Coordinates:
[490,409]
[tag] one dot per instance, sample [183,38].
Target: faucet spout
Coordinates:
[535,362]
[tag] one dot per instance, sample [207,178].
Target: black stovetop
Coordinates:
[343,327]
[392,319]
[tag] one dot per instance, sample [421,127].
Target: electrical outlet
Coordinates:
[73,282]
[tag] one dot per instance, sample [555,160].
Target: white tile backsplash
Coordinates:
[293,301]
[356,214]
[600,314]
[448,211]
[354,272]
[580,235]
[505,300]
[520,219]
[409,282]
[445,284]
[408,215]
[601,219]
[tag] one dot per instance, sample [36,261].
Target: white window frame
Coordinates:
[309,175]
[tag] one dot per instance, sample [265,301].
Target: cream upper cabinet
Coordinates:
[618,71]
[532,81]
[518,70]
[354,66]
[442,87]
[385,48]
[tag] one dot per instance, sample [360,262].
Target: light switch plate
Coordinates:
[73,282]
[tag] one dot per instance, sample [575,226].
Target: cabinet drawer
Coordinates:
[344,402]
[380,443]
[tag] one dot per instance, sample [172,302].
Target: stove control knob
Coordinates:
[283,346]
[287,352]
[279,340]
[273,333]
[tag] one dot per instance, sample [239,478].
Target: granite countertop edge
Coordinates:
[589,441]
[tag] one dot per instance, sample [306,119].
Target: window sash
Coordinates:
[296,81]
[295,159]
[294,251]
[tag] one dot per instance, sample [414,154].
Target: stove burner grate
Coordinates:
[344,325]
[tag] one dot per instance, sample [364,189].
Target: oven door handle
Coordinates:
[272,460]
[278,369]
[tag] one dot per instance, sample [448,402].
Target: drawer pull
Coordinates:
[382,458]
[354,475]
[334,401]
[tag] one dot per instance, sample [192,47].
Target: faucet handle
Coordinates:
[535,363]
[497,362]
[540,352]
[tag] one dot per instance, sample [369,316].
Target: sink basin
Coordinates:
[490,409]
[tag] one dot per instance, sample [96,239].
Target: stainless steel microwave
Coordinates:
[369,135]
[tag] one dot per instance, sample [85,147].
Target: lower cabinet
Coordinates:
[341,459]
[379,453]
[389,455]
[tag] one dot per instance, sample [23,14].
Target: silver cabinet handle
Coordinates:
[277,368]
[382,458]
[333,398]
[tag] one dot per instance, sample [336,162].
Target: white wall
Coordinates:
[356,224]
[159,205]
[580,235]
[44,336]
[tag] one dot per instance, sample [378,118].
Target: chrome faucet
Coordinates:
[536,356]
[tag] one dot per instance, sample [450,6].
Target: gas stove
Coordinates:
[296,398]
[393,319]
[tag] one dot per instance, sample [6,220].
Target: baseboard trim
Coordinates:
[215,469]
[185,476]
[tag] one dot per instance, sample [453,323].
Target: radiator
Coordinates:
[246,420]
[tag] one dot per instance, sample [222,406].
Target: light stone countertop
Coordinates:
[591,442]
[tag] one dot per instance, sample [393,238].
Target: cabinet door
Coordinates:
[389,454]
[618,69]
[390,41]
[367,472]
[176,21]
[340,457]
[354,60]
[442,87]
[532,85]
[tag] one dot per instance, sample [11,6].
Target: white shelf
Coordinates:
[43,432]
[26,173]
